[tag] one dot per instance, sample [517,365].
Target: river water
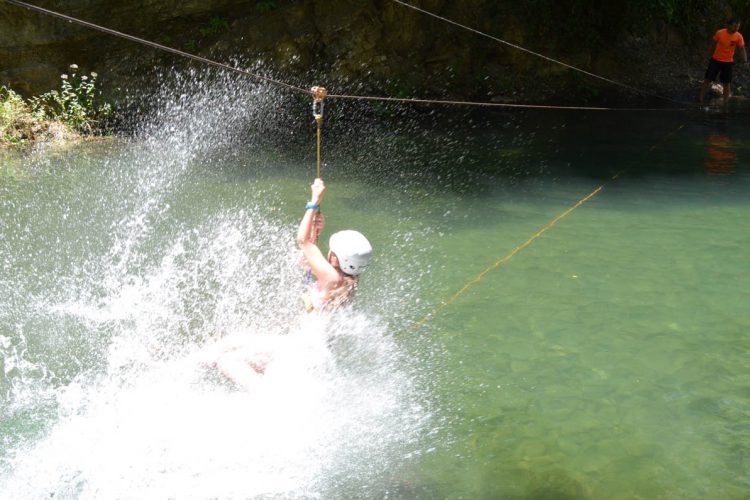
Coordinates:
[607,358]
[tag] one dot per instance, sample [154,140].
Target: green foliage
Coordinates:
[215,26]
[265,5]
[600,22]
[398,88]
[668,9]
[15,115]
[76,104]
[682,14]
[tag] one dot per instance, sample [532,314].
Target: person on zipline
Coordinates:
[721,55]
[336,274]
[243,358]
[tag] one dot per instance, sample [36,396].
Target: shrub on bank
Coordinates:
[73,111]
[17,125]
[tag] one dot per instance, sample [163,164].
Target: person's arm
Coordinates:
[307,226]
[318,223]
[319,265]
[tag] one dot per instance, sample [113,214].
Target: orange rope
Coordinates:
[505,259]
[317,121]
[526,243]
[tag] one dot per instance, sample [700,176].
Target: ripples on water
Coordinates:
[604,360]
[109,292]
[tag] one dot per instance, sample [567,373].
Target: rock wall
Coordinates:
[35,48]
[350,45]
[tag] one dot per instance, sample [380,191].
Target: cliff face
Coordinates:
[355,45]
[35,48]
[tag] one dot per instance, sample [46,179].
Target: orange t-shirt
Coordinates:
[725,44]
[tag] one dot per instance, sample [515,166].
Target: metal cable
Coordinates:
[341,96]
[518,47]
[153,44]
[492,104]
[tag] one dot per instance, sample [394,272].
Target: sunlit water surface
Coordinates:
[606,359]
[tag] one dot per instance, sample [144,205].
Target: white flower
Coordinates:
[94,75]
[73,66]
[84,78]
[64,77]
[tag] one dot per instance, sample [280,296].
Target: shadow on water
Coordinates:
[481,154]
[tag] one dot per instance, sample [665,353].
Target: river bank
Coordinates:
[73,111]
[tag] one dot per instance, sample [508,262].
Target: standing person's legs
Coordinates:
[727,92]
[712,71]
[704,88]
[726,80]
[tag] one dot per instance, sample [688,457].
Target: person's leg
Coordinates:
[726,81]
[213,351]
[712,71]
[242,358]
[234,366]
[704,88]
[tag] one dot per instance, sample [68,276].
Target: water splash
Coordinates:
[104,343]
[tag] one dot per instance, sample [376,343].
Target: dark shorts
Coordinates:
[724,69]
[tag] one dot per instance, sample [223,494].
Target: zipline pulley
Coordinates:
[318,94]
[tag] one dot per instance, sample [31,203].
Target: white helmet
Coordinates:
[352,249]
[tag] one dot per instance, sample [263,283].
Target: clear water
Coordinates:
[607,359]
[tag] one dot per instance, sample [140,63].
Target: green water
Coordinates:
[608,359]
[605,359]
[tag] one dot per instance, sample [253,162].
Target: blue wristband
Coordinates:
[313,206]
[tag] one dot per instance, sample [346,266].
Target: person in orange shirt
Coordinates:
[721,54]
